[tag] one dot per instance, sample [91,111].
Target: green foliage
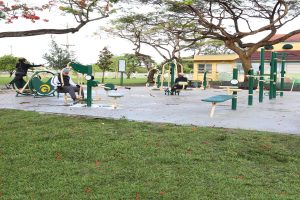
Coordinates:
[154,29]
[141,70]
[84,11]
[210,47]
[189,2]
[132,63]
[115,64]
[8,63]
[105,60]
[188,64]
[2,15]
[58,57]
[59,157]
[96,68]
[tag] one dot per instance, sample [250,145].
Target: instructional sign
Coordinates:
[122,65]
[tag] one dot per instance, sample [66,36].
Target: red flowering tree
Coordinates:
[84,11]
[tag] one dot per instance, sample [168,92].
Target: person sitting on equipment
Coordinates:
[176,86]
[64,84]
[21,71]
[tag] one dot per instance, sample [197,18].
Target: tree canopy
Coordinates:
[151,30]
[234,22]
[132,63]
[83,11]
[242,26]
[8,63]
[58,57]
[105,61]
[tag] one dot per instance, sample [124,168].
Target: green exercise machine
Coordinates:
[87,70]
[38,84]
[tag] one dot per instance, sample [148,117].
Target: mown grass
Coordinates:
[127,82]
[4,79]
[59,157]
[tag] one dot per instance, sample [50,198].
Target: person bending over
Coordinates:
[21,71]
[64,84]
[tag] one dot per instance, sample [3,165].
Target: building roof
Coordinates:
[291,55]
[294,38]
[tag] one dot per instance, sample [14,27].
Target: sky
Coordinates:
[84,43]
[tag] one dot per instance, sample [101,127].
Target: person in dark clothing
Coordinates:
[8,85]
[64,84]
[176,85]
[21,71]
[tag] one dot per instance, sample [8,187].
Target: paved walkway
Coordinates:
[281,115]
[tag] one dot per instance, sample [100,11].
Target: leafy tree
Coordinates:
[57,57]
[234,22]
[83,11]
[209,47]
[105,61]
[145,60]
[8,63]
[132,63]
[152,30]
[188,64]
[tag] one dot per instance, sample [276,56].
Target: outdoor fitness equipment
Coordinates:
[273,76]
[38,84]
[87,70]
[173,69]
[204,81]
[222,98]
[273,79]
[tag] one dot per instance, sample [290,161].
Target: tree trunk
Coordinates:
[103,73]
[246,63]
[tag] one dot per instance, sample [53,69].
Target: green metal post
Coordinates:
[234,93]
[172,69]
[121,80]
[89,87]
[282,74]
[261,73]
[275,76]
[158,80]
[250,87]
[88,70]
[271,75]
[204,80]
[235,73]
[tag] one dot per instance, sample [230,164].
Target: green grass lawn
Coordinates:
[128,82]
[4,80]
[46,156]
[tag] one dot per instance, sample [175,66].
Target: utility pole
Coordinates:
[67,45]
[10,46]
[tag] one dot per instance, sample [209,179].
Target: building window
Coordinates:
[202,67]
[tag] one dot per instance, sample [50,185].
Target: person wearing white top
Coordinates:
[64,83]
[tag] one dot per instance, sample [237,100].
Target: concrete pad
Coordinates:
[280,115]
